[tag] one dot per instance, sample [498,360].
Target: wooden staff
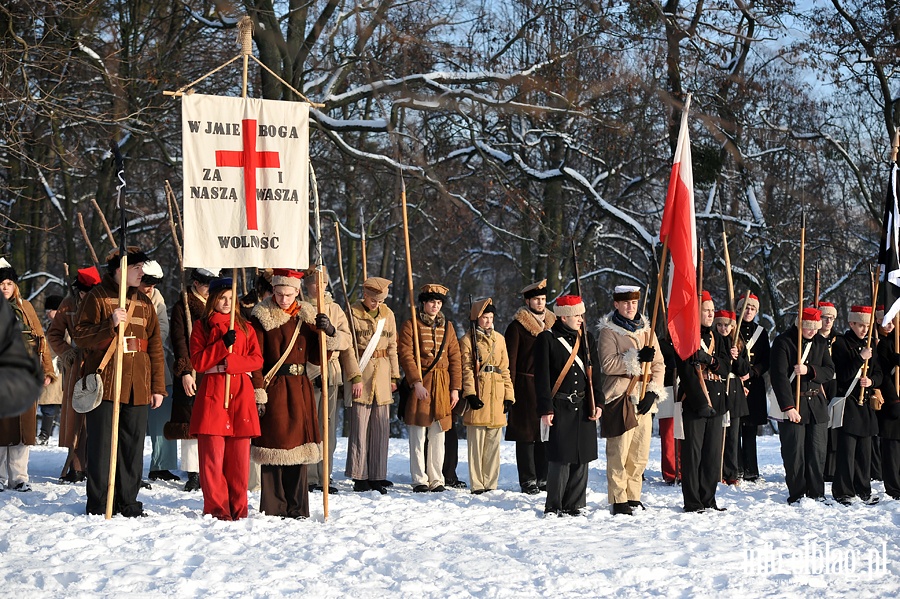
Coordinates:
[728,276]
[362,227]
[109,233]
[340,257]
[816,288]
[895,146]
[697,368]
[120,336]
[172,206]
[323,341]
[865,367]
[409,279]
[87,242]
[737,328]
[800,306]
[645,375]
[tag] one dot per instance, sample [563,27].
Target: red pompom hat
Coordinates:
[568,305]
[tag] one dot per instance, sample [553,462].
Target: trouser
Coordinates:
[367,446]
[831,454]
[852,467]
[316,475]
[49,418]
[701,461]
[531,462]
[876,458]
[731,470]
[803,454]
[14,464]
[890,466]
[451,452]
[284,491]
[164,455]
[224,467]
[129,459]
[667,449]
[748,465]
[566,487]
[484,457]
[626,459]
[190,457]
[255,476]
[426,469]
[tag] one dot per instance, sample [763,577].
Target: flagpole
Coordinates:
[362,226]
[645,378]
[323,349]
[800,307]
[865,367]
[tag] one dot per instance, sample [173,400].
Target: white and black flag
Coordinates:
[889,253]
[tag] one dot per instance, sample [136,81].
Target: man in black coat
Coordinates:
[756,350]
[802,432]
[736,399]
[21,377]
[853,453]
[827,332]
[565,411]
[889,414]
[704,402]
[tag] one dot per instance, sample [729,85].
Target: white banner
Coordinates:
[246,182]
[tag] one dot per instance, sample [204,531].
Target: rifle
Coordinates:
[588,366]
[337,239]
[800,307]
[473,333]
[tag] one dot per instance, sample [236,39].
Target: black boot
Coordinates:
[361,486]
[622,509]
[193,482]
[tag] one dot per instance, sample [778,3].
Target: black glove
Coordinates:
[507,404]
[474,402]
[706,412]
[229,338]
[701,357]
[645,404]
[324,324]
[647,353]
[261,409]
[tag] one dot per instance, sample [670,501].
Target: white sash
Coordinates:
[836,405]
[775,412]
[754,338]
[373,343]
[802,361]
[570,349]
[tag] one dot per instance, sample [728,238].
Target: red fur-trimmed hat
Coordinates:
[751,301]
[705,296]
[828,309]
[568,305]
[286,276]
[812,319]
[879,314]
[860,314]
[724,317]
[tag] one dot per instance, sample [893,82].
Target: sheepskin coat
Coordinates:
[619,364]
[289,429]
[494,387]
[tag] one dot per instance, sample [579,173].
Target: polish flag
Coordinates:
[679,226]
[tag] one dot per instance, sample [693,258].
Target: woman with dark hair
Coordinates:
[224,434]
[18,433]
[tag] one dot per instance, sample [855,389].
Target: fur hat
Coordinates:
[7,271]
[311,274]
[86,279]
[860,314]
[153,273]
[624,293]
[751,301]
[879,314]
[432,291]
[811,319]
[286,276]
[724,317]
[568,305]
[828,309]
[535,289]
[376,287]
[134,254]
[480,307]
[204,275]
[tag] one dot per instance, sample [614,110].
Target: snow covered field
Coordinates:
[451,544]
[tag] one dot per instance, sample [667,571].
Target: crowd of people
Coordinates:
[243,393]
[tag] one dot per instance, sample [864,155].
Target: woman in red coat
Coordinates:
[224,434]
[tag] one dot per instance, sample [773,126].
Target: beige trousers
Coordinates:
[484,457]
[426,470]
[626,458]
[14,464]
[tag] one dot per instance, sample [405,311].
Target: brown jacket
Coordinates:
[524,422]
[59,334]
[22,428]
[494,387]
[289,429]
[142,371]
[443,378]
[383,368]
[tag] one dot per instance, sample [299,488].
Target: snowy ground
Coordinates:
[452,544]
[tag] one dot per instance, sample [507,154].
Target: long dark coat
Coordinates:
[19,371]
[759,366]
[858,420]
[21,429]
[179,423]
[813,410]
[524,424]
[691,392]
[888,359]
[573,437]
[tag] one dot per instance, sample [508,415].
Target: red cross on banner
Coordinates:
[250,160]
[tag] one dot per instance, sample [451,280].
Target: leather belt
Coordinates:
[217,369]
[489,369]
[378,353]
[574,397]
[713,377]
[135,344]
[809,393]
[291,370]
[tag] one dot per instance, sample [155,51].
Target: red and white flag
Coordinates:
[246,182]
[680,227]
